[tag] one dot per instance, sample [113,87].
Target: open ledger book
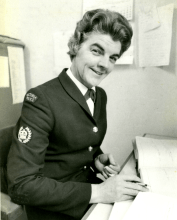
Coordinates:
[157,164]
[152,206]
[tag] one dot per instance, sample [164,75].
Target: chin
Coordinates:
[93,83]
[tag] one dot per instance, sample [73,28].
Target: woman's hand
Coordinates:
[106,165]
[117,188]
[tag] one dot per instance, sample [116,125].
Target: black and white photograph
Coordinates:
[88,109]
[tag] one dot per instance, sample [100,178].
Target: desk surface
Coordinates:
[103,211]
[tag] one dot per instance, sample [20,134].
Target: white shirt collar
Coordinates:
[80,86]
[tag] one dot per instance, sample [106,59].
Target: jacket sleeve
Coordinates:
[26,183]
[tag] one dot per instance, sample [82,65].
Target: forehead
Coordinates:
[105,41]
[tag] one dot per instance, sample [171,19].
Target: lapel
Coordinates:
[75,94]
[97,104]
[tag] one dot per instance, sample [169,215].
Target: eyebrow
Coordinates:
[101,48]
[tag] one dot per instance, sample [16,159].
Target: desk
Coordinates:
[103,211]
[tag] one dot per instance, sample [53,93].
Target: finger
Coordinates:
[105,175]
[130,178]
[130,192]
[108,170]
[116,168]
[108,173]
[125,197]
[135,186]
[111,159]
[111,174]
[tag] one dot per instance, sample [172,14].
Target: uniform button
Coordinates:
[95,129]
[85,167]
[90,148]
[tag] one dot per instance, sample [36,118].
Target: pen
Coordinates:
[141,184]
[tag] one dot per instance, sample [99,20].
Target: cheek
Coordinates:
[90,60]
[80,65]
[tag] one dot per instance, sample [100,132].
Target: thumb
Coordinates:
[103,158]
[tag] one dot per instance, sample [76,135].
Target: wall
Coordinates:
[140,100]
[34,22]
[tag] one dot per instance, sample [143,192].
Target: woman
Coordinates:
[55,153]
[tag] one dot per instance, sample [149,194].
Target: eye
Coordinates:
[113,59]
[96,51]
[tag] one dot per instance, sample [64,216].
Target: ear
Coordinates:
[76,48]
[77,44]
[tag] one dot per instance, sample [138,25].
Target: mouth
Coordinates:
[97,72]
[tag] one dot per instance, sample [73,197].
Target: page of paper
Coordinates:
[4,72]
[119,210]
[101,211]
[150,17]
[17,73]
[161,180]
[155,44]
[124,7]
[152,206]
[156,152]
[61,58]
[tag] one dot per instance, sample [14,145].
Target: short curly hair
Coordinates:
[104,22]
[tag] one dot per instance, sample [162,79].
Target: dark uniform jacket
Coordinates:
[54,145]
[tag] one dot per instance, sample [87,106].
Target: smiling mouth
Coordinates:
[97,72]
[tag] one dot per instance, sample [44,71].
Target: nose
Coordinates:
[104,63]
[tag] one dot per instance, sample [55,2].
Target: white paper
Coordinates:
[4,72]
[101,211]
[17,73]
[161,180]
[151,206]
[156,152]
[124,7]
[61,58]
[150,17]
[155,44]
[120,209]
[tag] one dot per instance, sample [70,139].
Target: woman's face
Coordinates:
[95,59]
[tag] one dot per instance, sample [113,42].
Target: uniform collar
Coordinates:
[74,92]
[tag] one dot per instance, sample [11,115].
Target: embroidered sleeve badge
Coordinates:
[24,135]
[31,97]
